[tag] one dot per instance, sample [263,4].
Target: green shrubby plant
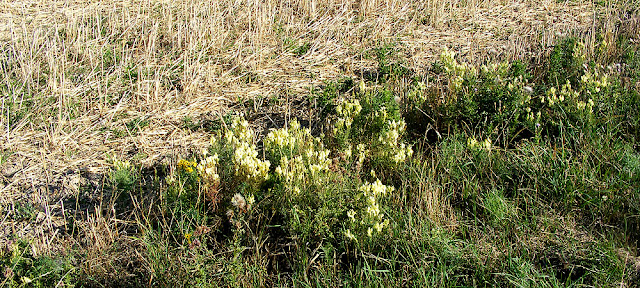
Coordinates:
[579,93]
[366,220]
[216,192]
[123,175]
[505,102]
[374,128]
[491,100]
[248,168]
[303,160]
[313,185]
[319,197]
[457,72]
[417,95]
[565,62]
[21,267]
[346,111]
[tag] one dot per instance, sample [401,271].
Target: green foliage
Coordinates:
[371,126]
[389,67]
[316,194]
[564,63]
[123,175]
[326,97]
[530,178]
[22,268]
[493,100]
[18,97]
[499,209]
[23,211]
[507,103]
[131,74]
[301,49]
[137,124]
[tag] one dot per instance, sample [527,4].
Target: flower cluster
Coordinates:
[302,158]
[121,165]
[346,111]
[199,176]
[291,170]
[386,129]
[417,96]
[240,132]
[456,71]
[248,167]
[186,166]
[370,218]
[580,53]
[390,138]
[475,144]
[553,97]
[498,70]
[304,170]
[281,139]
[592,83]
[403,152]
[207,169]
[533,117]
[578,101]
[587,107]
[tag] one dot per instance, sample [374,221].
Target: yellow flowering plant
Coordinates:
[230,172]
[577,102]
[239,149]
[367,220]
[194,179]
[302,159]
[370,129]
[319,187]
[304,180]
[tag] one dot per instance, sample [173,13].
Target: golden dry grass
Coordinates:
[68,66]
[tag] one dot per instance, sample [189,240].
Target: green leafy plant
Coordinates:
[22,268]
[123,175]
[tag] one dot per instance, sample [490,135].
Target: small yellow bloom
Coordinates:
[378,226]
[250,201]
[186,165]
[350,235]
[487,144]
[352,215]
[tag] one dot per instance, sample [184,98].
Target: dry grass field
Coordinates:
[85,84]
